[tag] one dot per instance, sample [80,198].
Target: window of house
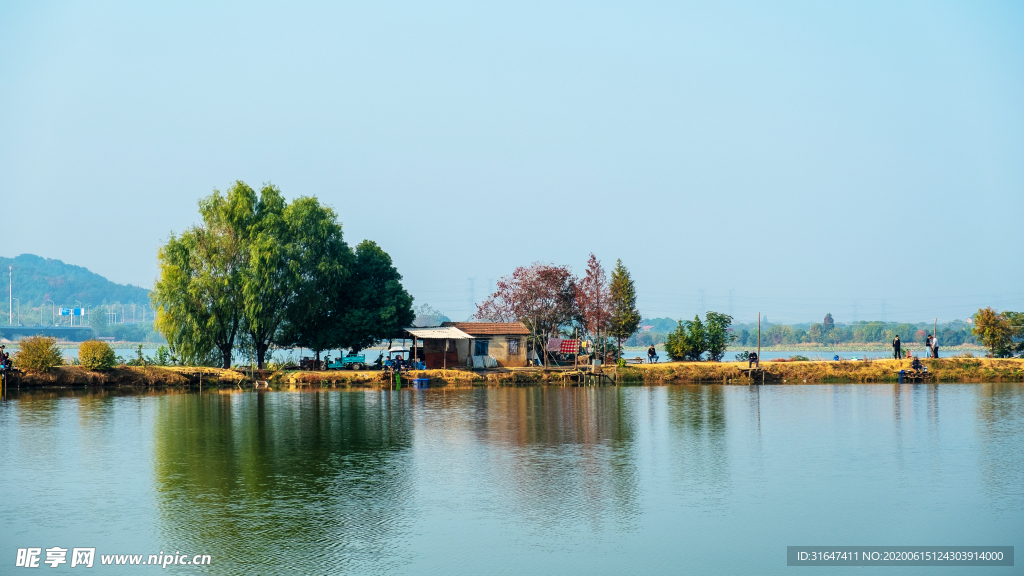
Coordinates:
[480,347]
[513,346]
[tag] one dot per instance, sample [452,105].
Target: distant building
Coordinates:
[646,328]
[503,341]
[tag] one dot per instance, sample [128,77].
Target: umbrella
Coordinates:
[398,349]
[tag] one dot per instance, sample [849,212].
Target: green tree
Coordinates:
[379,306]
[716,335]
[269,252]
[323,266]
[1016,322]
[814,333]
[778,334]
[827,325]
[98,320]
[1001,332]
[687,341]
[625,318]
[97,355]
[38,353]
[198,296]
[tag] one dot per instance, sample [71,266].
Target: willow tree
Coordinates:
[625,320]
[211,275]
[268,279]
[270,272]
[198,297]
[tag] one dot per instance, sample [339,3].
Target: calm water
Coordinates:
[659,480]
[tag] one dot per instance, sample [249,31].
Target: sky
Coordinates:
[789,158]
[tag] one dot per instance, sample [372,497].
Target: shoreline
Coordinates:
[943,370]
[821,348]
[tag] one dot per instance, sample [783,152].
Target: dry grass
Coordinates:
[944,369]
[132,376]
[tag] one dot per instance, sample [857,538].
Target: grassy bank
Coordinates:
[944,370]
[825,348]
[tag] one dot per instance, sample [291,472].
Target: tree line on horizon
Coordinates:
[259,272]
[777,334]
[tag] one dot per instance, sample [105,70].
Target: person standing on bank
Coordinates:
[896,353]
[935,346]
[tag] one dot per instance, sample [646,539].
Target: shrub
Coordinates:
[96,355]
[38,353]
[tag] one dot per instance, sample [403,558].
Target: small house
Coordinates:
[503,341]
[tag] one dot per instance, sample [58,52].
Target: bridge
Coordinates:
[66,332]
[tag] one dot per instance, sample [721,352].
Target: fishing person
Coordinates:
[896,353]
[916,364]
[652,355]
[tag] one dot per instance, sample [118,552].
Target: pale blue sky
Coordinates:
[808,156]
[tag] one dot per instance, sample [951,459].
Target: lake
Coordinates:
[544,480]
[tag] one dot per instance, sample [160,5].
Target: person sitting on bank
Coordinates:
[752,359]
[916,364]
[652,355]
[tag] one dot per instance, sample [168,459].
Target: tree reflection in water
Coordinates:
[699,451]
[318,479]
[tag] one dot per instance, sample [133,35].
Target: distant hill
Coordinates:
[37,279]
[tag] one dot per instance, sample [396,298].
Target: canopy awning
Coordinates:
[441,333]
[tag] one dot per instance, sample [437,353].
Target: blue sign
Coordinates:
[72,312]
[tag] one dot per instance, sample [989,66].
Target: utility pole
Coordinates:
[758,339]
[10,295]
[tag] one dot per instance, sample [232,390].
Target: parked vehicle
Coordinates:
[348,362]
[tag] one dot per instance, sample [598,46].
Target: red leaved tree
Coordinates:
[541,296]
[594,300]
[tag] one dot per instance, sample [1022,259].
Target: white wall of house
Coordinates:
[498,348]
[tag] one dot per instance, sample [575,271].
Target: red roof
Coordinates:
[490,328]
